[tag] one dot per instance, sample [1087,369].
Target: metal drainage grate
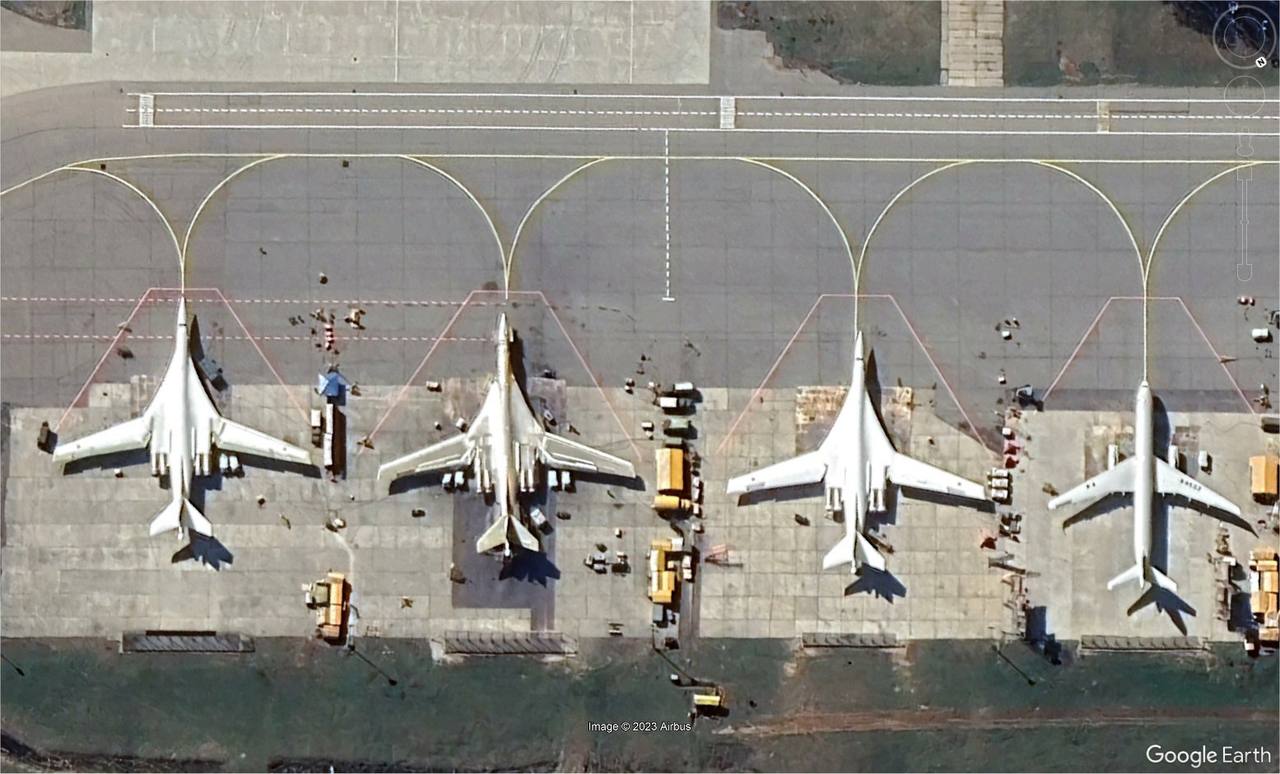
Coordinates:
[831,640]
[161,641]
[1116,642]
[509,644]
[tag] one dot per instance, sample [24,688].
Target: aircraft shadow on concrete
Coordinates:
[122,459]
[531,567]
[280,466]
[943,498]
[886,518]
[1166,602]
[635,483]
[415,481]
[206,550]
[783,494]
[1112,502]
[877,583]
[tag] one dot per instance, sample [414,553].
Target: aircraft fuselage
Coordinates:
[1144,473]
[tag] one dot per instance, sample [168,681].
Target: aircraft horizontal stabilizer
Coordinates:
[1134,573]
[526,538]
[867,554]
[494,537]
[1157,578]
[840,553]
[171,519]
[1146,573]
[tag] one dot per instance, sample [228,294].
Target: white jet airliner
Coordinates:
[181,428]
[1143,475]
[856,460]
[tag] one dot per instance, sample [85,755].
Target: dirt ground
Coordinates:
[294,705]
[1074,43]
[881,43]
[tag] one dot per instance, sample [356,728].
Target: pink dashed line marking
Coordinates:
[972,429]
[395,402]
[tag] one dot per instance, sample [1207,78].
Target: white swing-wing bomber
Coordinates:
[855,461]
[503,447]
[181,428]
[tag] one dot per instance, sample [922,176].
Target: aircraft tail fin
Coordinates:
[172,518]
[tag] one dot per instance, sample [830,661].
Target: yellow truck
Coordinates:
[663,503]
[710,701]
[1264,472]
[671,478]
[331,599]
[663,579]
[1265,599]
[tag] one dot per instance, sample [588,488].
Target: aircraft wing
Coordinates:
[133,434]
[910,472]
[806,469]
[450,454]
[563,454]
[1117,480]
[235,437]
[1171,481]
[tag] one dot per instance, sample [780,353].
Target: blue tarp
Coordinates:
[332,385]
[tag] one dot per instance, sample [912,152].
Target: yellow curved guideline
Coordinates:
[138,191]
[195,216]
[1178,208]
[488,219]
[1128,230]
[509,261]
[844,238]
[278,156]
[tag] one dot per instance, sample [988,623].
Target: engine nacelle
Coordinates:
[202,464]
[877,478]
[835,499]
[528,468]
[480,472]
[875,500]
[159,463]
